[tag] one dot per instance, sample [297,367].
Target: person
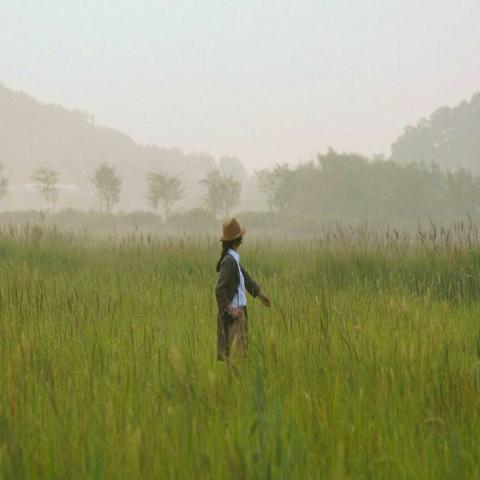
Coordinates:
[230,291]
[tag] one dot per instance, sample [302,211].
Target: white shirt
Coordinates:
[240,298]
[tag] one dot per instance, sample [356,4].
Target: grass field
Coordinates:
[366,367]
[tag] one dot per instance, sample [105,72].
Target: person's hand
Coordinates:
[236,312]
[265,300]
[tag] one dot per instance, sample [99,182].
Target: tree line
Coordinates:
[335,185]
[163,190]
[349,186]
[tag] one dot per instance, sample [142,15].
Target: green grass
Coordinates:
[366,367]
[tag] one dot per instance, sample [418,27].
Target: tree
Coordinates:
[275,185]
[462,191]
[232,166]
[3,181]
[223,192]
[47,184]
[108,185]
[165,190]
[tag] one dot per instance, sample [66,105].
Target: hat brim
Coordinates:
[241,233]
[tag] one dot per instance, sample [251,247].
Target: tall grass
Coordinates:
[367,366]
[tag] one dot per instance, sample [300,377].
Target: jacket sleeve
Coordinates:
[252,287]
[223,281]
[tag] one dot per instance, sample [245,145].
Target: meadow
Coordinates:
[367,365]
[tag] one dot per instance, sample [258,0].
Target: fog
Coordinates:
[183,88]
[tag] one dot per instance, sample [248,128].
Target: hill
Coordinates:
[450,137]
[33,134]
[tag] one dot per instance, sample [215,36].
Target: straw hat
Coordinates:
[232,230]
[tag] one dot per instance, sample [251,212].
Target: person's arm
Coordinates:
[254,289]
[251,285]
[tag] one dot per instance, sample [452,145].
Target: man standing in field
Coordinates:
[232,284]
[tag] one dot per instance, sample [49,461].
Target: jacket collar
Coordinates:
[234,254]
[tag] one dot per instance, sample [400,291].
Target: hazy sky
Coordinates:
[268,81]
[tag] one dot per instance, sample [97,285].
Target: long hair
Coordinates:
[226,245]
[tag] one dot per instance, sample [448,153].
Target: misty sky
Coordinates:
[268,81]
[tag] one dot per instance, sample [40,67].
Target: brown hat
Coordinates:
[232,230]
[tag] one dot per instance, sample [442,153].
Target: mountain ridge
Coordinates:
[34,134]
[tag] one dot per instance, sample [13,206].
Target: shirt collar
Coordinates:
[234,254]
